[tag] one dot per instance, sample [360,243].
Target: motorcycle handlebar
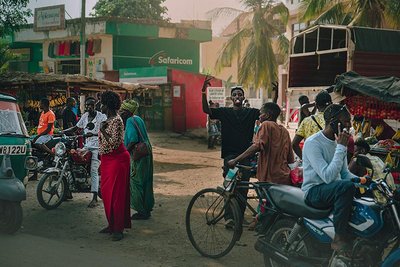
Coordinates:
[361,180]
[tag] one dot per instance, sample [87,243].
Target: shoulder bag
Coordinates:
[140,149]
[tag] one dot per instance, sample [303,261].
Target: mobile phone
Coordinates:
[335,126]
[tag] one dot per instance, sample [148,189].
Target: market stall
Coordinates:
[29,88]
[375,104]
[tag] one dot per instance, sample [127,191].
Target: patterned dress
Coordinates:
[115,161]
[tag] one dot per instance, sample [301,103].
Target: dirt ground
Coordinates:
[68,236]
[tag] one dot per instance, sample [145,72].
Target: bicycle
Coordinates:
[218,211]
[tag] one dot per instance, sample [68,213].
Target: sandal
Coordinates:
[105,230]
[93,204]
[140,216]
[117,236]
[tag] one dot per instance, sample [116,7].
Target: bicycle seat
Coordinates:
[290,199]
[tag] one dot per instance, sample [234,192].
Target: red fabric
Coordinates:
[89,49]
[61,49]
[115,191]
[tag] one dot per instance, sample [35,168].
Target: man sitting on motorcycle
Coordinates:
[326,176]
[92,142]
[46,126]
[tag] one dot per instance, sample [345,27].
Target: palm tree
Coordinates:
[257,63]
[369,13]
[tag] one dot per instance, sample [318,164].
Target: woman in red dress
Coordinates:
[115,164]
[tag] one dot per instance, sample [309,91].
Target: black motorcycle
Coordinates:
[71,174]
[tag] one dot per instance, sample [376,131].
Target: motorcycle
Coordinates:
[294,234]
[45,160]
[71,174]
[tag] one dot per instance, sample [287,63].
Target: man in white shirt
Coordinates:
[92,142]
[327,179]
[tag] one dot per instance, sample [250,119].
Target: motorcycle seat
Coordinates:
[290,200]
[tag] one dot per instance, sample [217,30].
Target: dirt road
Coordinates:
[68,236]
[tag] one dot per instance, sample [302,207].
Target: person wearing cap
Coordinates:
[237,128]
[91,143]
[313,123]
[141,171]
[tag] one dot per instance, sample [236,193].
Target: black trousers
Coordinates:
[241,191]
[337,195]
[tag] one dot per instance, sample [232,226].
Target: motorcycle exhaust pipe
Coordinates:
[266,248]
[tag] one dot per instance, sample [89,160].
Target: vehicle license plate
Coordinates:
[13,150]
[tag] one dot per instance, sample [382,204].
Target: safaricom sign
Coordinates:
[176,61]
[162,58]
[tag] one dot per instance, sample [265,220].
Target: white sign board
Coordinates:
[216,95]
[94,67]
[177,91]
[49,18]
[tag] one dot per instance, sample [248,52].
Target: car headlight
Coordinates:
[31,163]
[60,149]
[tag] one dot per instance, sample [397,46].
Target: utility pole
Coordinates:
[82,38]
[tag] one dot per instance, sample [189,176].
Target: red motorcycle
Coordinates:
[71,174]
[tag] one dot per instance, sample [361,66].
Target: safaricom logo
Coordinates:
[162,58]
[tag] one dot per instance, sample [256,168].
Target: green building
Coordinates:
[112,44]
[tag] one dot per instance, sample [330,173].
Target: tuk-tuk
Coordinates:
[16,161]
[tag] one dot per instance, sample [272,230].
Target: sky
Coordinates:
[177,9]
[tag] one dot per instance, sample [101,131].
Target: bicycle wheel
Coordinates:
[211,229]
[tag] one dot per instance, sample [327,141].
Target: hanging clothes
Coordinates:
[67,48]
[89,47]
[55,50]
[97,46]
[61,48]
[50,50]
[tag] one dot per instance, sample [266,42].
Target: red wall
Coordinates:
[192,82]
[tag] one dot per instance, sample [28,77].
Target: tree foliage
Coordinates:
[253,43]
[369,13]
[13,14]
[5,56]
[136,9]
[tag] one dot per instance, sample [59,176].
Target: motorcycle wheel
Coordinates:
[49,195]
[10,216]
[278,235]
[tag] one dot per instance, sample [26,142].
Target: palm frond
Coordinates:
[223,12]
[310,9]
[334,15]
[282,11]
[232,48]
[283,45]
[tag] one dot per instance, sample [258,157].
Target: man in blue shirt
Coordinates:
[326,176]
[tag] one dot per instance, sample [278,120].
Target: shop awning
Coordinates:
[386,89]
[11,80]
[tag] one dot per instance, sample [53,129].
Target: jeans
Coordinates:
[241,191]
[337,195]
[94,169]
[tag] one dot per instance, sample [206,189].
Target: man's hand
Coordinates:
[206,83]
[35,139]
[232,163]
[343,137]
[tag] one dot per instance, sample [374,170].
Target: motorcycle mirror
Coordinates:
[90,126]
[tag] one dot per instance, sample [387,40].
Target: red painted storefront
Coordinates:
[187,112]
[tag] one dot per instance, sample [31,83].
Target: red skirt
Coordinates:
[115,191]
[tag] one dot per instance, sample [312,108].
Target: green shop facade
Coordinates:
[115,45]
